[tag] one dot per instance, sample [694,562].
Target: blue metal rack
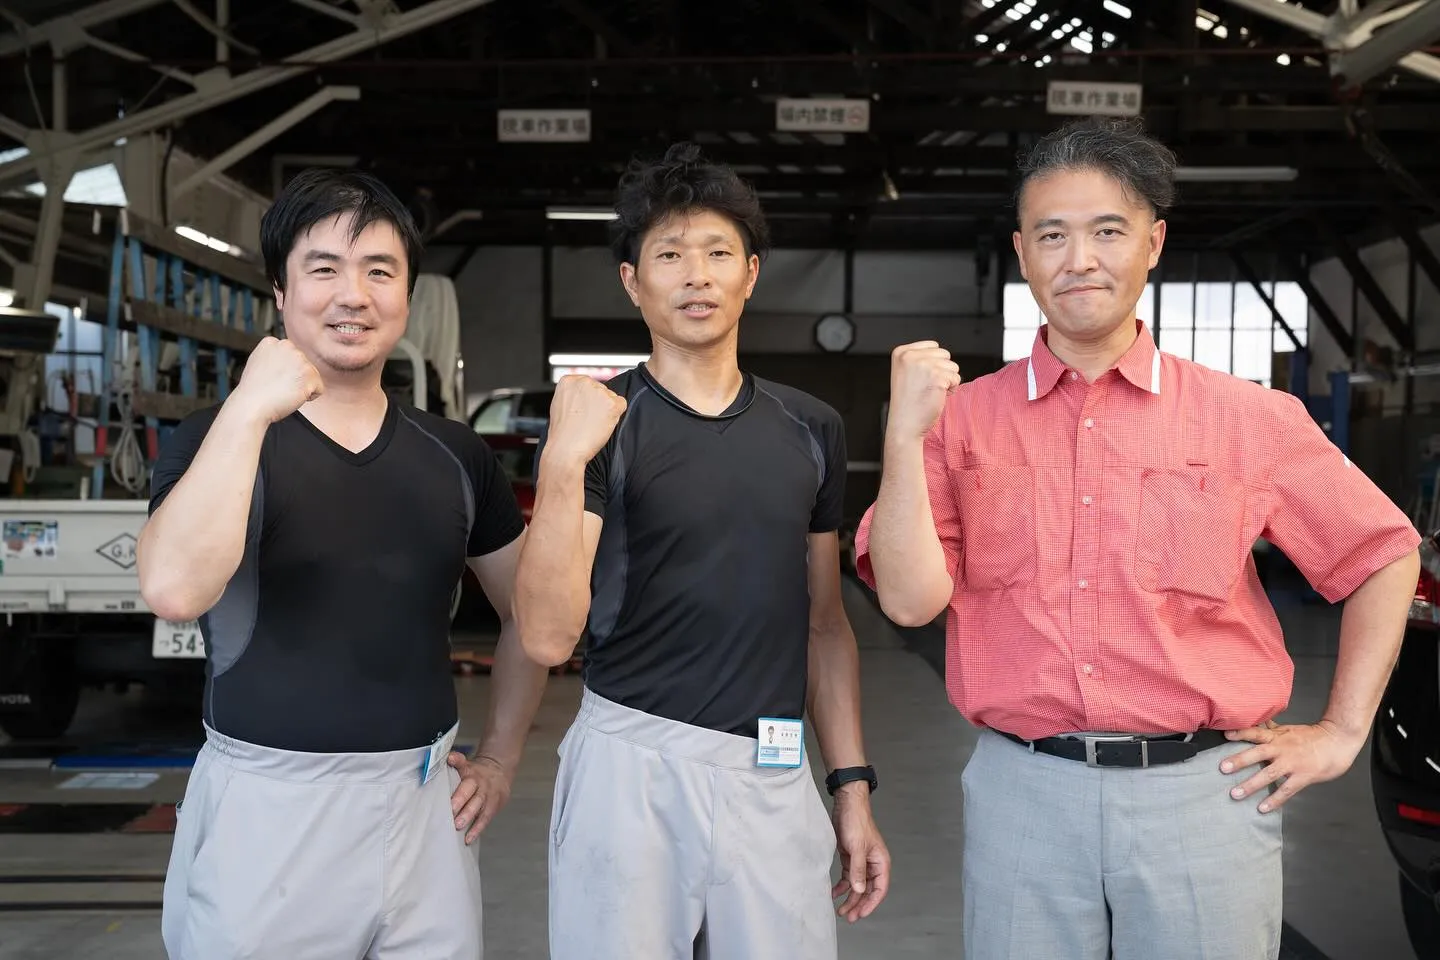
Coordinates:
[166,287]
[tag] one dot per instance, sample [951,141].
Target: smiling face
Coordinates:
[1086,248]
[691,279]
[346,301]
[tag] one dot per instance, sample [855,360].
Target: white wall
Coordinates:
[1389,263]
[897,298]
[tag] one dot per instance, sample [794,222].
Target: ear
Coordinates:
[279,298]
[627,280]
[752,270]
[1019,253]
[1157,242]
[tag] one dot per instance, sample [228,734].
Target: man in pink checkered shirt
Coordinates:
[1085,517]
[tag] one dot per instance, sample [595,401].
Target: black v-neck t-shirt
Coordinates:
[333,636]
[700,604]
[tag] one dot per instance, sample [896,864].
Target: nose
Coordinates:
[698,271]
[354,292]
[1080,256]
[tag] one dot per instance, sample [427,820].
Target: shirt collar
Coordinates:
[1140,364]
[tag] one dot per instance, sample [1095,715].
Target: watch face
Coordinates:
[835,332]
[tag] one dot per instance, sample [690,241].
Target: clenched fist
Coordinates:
[278,380]
[922,377]
[583,414]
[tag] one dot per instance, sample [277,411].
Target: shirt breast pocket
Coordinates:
[997,523]
[1189,532]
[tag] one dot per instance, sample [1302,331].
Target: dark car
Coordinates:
[1405,760]
[513,410]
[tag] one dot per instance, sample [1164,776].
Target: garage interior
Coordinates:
[141,140]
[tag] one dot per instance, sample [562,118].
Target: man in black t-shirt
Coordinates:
[685,528]
[318,529]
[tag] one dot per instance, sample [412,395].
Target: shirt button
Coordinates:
[1084,584]
[1085,500]
[1089,423]
[1074,375]
[1088,669]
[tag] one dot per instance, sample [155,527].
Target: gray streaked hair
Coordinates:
[1120,149]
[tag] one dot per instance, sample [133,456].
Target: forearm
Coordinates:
[191,547]
[516,685]
[552,581]
[833,695]
[911,579]
[1371,629]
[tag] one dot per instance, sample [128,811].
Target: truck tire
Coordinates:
[39,689]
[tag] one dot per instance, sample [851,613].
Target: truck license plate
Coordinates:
[178,640]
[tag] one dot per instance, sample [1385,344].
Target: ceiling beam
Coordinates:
[70,24]
[1382,51]
[906,15]
[217,86]
[597,24]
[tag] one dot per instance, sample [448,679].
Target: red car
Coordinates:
[516,453]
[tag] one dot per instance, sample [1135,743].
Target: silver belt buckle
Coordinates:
[1090,743]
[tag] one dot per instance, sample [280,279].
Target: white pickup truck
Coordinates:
[73,613]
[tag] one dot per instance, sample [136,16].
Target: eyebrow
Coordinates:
[708,241]
[1049,222]
[325,256]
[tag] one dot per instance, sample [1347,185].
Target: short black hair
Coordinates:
[651,192]
[317,194]
[1118,148]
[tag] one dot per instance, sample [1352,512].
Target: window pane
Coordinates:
[1022,319]
[494,417]
[1252,354]
[1212,308]
[1290,301]
[1212,348]
[1176,322]
[1250,311]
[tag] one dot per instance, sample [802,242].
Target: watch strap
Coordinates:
[838,778]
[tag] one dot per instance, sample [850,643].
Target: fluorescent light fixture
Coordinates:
[1235,174]
[579,213]
[597,359]
[190,233]
[1120,10]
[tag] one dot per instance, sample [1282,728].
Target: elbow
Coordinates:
[549,650]
[909,611]
[545,644]
[170,597]
[171,603]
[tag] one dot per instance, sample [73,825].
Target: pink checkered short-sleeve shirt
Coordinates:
[1099,539]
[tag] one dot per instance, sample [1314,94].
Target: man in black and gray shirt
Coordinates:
[318,529]
[685,528]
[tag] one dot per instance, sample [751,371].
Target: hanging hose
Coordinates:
[127,460]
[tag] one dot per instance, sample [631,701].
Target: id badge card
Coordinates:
[781,743]
[436,753]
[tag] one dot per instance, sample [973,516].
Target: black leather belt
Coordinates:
[1124,750]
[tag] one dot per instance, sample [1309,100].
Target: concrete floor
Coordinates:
[1340,883]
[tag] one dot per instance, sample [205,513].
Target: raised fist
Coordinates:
[278,380]
[583,414]
[922,377]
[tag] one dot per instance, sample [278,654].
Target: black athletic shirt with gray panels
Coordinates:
[334,634]
[700,603]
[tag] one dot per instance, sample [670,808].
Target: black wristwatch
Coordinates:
[844,775]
